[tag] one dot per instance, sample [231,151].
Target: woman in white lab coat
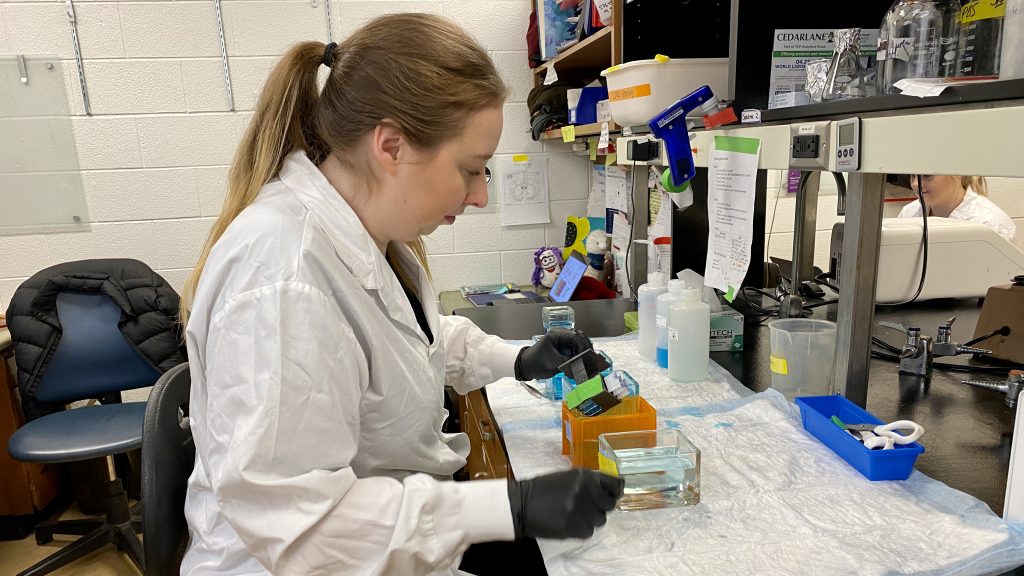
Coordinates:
[318,359]
[960,198]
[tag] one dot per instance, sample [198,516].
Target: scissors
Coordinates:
[886,436]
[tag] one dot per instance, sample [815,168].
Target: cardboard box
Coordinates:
[726,331]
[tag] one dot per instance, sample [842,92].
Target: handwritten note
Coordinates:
[732,176]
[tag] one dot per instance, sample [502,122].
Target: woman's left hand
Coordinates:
[554,349]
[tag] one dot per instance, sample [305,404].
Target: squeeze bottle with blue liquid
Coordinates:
[689,321]
[647,302]
[674,294]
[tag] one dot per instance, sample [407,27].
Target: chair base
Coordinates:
[118,528]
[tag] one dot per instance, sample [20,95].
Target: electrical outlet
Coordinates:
[809,145]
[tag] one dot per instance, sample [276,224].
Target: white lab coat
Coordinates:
[316,401]
[973,208]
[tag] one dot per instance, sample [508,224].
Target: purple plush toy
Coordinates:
[547,262]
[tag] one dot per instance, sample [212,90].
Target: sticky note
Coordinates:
[778,365]
[731,294]
[520,158]
[610,159]
[592,145]
[568,133]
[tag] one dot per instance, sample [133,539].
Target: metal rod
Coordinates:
[327,9]
[805,228]
[22,69]
[638,228]
[69,8]
[224,56]
[859,271]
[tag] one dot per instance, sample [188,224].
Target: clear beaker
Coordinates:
[802,356]
[922,40]
[661,468]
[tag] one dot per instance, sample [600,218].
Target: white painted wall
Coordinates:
[155,153]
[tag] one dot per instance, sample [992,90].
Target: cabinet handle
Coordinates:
[485,431]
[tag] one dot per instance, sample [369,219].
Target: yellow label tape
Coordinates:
[661,58]
[607,465]
[982,10]
[778,365]
[568,133]
[520,158]
[638,91]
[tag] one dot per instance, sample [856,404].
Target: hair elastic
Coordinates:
[328,59]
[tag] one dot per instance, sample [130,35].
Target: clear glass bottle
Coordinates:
[845,73]
[981,35]
[922,40]
[883,51]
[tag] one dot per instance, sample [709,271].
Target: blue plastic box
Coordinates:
[586,110]
[816,413]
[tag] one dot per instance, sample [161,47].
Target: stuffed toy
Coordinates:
[597,249]
[547,263]
[592,289]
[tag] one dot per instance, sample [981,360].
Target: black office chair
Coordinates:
[168,455]
[91,360]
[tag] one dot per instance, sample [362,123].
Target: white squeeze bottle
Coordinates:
[675,289]
[689,321]
[647,297]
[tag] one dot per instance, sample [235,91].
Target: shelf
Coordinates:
[589,56]
[984,92]
[582,131]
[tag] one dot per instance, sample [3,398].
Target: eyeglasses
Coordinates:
[487,174]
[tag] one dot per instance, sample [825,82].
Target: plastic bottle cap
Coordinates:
[657,278]
[690,295]
[676,286]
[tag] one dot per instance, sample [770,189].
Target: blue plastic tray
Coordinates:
[816,413]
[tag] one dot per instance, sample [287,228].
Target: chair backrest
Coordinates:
[168,456]
[92,358]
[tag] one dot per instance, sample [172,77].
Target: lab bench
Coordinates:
[968,430]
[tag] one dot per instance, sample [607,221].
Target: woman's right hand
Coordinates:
[569,504]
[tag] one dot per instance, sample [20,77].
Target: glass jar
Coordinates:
[922,40]
[981,34]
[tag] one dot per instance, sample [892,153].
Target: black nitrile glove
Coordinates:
[554,349]
[568,504]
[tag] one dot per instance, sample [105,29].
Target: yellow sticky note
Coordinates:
[592,146]
[520,158]
[607,465]
[568,133]
[609,159]
[778,365]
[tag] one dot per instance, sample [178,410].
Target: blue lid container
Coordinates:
[816,413]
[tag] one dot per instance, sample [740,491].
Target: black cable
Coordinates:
[1003,331]
[841,190]
[954,367]
[883,344]
[824,278]
[629,243]
[768,244]
[924,245]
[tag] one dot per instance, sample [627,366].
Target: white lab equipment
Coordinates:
[647,301]
[887,436]
[965,259]
[689,322]
[675,289]
[1013,509]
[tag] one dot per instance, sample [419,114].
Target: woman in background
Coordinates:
[960,198]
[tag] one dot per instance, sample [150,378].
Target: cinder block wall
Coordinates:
[155,153]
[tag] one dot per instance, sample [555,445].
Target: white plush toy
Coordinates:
[597,249]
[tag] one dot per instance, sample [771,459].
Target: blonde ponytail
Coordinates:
[283,122]
[419,71]
[976,183]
